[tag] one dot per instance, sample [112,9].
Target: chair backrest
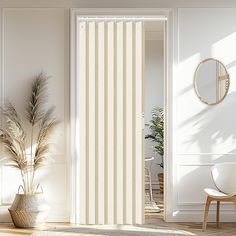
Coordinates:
[224,176]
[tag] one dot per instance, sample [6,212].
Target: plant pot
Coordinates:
[161,182]
[29,210]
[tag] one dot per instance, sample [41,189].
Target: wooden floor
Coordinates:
[196,228]
[153,220]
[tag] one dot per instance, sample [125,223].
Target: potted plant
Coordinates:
[156,126]
[28,151]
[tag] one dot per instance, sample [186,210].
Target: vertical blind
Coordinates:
[110,82]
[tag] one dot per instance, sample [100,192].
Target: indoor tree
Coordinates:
[156,135]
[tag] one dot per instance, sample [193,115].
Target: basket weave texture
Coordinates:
[29,210]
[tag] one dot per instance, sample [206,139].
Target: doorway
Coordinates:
[96,182]
[154,118]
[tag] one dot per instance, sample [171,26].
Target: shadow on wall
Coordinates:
[189,176]
[205,24]
[215,124]
[204,134]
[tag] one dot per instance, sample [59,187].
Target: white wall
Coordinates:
[36,40]
[153,96]
[203,134]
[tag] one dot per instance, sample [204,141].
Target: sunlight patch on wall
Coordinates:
[222,50]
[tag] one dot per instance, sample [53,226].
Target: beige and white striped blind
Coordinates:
[110,83]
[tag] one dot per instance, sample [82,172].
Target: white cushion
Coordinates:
[214,193]
[217,194]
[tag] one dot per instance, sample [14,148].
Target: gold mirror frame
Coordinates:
[195,82]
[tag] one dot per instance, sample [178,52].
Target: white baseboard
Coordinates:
[197,216]
[54,216]
[59,216]
[4,214]
[178,216]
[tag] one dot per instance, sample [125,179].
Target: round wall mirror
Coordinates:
[211,81]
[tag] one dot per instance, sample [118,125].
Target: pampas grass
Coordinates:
[13,135]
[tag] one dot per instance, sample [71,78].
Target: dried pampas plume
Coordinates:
[13,135]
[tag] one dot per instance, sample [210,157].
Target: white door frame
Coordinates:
[168,100]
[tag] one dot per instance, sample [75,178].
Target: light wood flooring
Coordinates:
[153,220]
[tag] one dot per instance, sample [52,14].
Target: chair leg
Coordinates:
[150,188]
[235,208]
[218,214]
[208,202]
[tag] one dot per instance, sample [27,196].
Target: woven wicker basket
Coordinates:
[29,210]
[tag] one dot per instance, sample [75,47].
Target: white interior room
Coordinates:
[96,180]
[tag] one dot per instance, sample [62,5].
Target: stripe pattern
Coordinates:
[110,104]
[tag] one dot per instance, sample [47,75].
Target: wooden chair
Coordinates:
[224,177]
